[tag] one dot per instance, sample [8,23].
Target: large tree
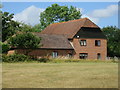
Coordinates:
[9,26]
[113,44]
[57,13]
[25,40]
[28,28]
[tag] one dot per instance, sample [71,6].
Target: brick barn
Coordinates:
[80,39]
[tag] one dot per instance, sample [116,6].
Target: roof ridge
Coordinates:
[70,21]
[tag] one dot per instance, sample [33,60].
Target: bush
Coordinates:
[58,60]
[5,47]
[43,60]
[15,58]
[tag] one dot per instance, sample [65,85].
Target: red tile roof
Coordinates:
[69,28]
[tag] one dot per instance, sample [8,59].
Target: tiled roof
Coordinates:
[54,41]
[69,28]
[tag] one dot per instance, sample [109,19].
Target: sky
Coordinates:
[101,13]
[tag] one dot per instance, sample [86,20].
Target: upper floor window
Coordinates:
[83,42]
[54,54]
[97,43]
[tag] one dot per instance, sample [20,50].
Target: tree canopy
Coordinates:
[24,40]
[9,26]
[28,28]
[113,44]
[5,47]
[57,13]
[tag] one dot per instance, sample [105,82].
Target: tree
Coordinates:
[25,28]
[28,28]
[25,40]
[57,13]
[9,26]
[5,47]
[37,28]
[113,44]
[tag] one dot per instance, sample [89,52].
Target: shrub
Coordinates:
[5,47]
[58,60]
[15,58]
[43,60]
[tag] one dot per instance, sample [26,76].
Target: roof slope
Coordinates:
[54,41]
[69,28]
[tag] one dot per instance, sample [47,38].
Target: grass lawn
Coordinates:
[60,75]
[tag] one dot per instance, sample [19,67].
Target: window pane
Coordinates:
[97,42]
[54,54]
[83,55]
[83,42]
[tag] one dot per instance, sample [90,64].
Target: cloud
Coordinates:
[97,14]
[107,12]
[95,20]
[29,15]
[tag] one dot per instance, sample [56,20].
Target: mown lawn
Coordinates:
[60,75]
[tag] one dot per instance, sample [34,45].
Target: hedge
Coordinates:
[15,58]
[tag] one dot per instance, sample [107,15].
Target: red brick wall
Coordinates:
[90,48]
[45,53]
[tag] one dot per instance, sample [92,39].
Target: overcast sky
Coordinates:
[101,13]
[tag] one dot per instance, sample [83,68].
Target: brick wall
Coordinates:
[38,53]
[90,48]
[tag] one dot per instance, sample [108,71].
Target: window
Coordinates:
[83,55]
[54,54]
[69,55]
[83,42]
[97,42]
[98,56]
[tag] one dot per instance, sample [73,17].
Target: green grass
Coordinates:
[60,75]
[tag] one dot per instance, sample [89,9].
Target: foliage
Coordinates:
[15,58]
[59,60]
[5,47]
[9,26]
[25,28]
[28,28]
[37,28]
[43,60]
[113,44]
[24,40]
[57,13]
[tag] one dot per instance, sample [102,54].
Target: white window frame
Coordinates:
[54,54]
[83,42]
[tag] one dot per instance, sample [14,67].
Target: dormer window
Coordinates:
[97,42]
[83,42]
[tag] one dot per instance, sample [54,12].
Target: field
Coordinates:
[60,75]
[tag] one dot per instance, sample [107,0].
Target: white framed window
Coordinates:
[54,54]
[83,42]
[83,55]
